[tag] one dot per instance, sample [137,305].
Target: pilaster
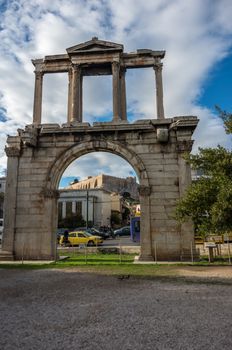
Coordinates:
[186,228]
[13,152]
[145,224]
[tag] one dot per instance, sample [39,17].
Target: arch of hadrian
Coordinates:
[39,154]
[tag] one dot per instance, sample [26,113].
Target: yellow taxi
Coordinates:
[81,237]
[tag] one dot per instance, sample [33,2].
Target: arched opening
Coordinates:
[75,151]
[108,208]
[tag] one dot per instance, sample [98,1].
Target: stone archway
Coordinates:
[39,154]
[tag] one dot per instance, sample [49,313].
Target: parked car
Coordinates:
[81,237]
[123,231]
[107,231]
[94,231]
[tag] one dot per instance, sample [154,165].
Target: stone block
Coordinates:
[165,188]
[172,195]
[157,208]
[34,221]
[171,167]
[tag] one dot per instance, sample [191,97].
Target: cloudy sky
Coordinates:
[197,74]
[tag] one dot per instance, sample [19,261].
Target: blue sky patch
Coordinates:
[217,88]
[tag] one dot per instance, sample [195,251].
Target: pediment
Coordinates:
[94,45]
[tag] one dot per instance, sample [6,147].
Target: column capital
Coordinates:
[76,67]
[29,136]
[49,193]
[158,67]
[13,148]
[183,146]
[12,151]
[115,65]
[39,74]
[144,190]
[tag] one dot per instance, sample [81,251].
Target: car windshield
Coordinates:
[95,230]
[87,233]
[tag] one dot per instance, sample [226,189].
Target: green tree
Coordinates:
[208,201]
[227,119]
[72,221]
[115,218]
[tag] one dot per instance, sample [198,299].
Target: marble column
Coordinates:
[159,90]
[81,99]
[37,110]
[76,94]
[73,207]
[70,79]
[123,94]
[116,91]
[184,147]
[63,210]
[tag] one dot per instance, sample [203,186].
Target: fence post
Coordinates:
[155,253]
[120,251]
[192,251]
[86,254]
[23,252]
[228,245]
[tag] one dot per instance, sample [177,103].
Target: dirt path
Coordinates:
[224,272]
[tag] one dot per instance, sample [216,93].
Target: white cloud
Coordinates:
[196,35]
[97,163]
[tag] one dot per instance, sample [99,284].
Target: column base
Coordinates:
[187,255]
[6,256]
[119,120]
[143,257]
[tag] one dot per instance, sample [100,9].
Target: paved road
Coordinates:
[125,241]
[57,309]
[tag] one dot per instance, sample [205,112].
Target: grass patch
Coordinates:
[114,264]
[98,259]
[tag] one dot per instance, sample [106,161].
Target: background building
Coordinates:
[108,183]
[96,205]
[99,199]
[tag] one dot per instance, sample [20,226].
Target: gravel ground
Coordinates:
[67,309]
